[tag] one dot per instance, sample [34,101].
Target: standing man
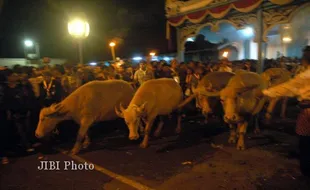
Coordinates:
[143,74]
[18,103]
[50,90]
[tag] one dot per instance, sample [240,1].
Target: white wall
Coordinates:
[274,46]
[10,62]
[253,50]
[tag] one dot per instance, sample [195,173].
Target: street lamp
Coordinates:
[287,39]
[79,29]
[225,54]
[112,45]
[152,54]
[28,43]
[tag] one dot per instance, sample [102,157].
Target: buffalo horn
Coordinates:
[119,113]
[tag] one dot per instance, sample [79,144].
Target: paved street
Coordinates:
[200,158]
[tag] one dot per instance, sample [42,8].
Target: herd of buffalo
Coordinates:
[239,94]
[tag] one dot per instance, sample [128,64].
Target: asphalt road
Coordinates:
[199,158]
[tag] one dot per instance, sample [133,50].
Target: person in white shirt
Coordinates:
[143,74]
[299,87]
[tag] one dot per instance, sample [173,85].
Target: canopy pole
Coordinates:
[180,48]
[260,28]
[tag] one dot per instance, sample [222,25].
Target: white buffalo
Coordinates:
[90,103]
[154,98]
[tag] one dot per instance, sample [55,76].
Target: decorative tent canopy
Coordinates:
[176,17]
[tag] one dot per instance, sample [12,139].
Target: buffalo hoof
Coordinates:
[85,144]
[74,151]
[267,121]
[144,145]
[157,134]
[232,140]
[257,131]
[240,147]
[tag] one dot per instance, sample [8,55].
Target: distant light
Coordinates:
[287,39]
[93,64]
[28,43]
[190,39]
[166,58]
[248,31]
[154,58]
[225,54]
[137,58]
[152,54]
[112,44]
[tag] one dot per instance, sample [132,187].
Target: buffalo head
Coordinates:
[230,99]
[132,116]
[49,118]
[204,96]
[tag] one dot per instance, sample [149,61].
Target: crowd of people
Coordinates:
[24,91]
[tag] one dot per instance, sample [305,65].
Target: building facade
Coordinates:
[247,29]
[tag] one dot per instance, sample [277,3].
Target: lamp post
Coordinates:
[29,44]
[112,45]
[79,29]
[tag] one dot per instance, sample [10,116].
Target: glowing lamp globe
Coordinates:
[225,54]
[112,44]
[28,43]
[78,28]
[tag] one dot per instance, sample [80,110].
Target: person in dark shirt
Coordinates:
[165,72]
[50,90]
[18,104]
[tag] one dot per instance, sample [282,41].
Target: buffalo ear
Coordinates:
[141,108]
[119,113]
[56,110]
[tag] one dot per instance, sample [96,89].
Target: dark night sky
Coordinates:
[139,26]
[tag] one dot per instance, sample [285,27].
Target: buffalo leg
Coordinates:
[241,130]
[147,132]
[86,142]
[179,124]
[159,127]
[256,124]
[283,107]
[141,128]
[270,108]
[81,136]
[233,134]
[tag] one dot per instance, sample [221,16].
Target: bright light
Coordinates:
[225,54]
[93,64]
[287,39]
[137,58]
[154,58]
[166,58]
[190,39]
[152,54]
[28,43]
[112,44]
[78,28]
[248,31]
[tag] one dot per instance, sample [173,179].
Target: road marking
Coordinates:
[109,173]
